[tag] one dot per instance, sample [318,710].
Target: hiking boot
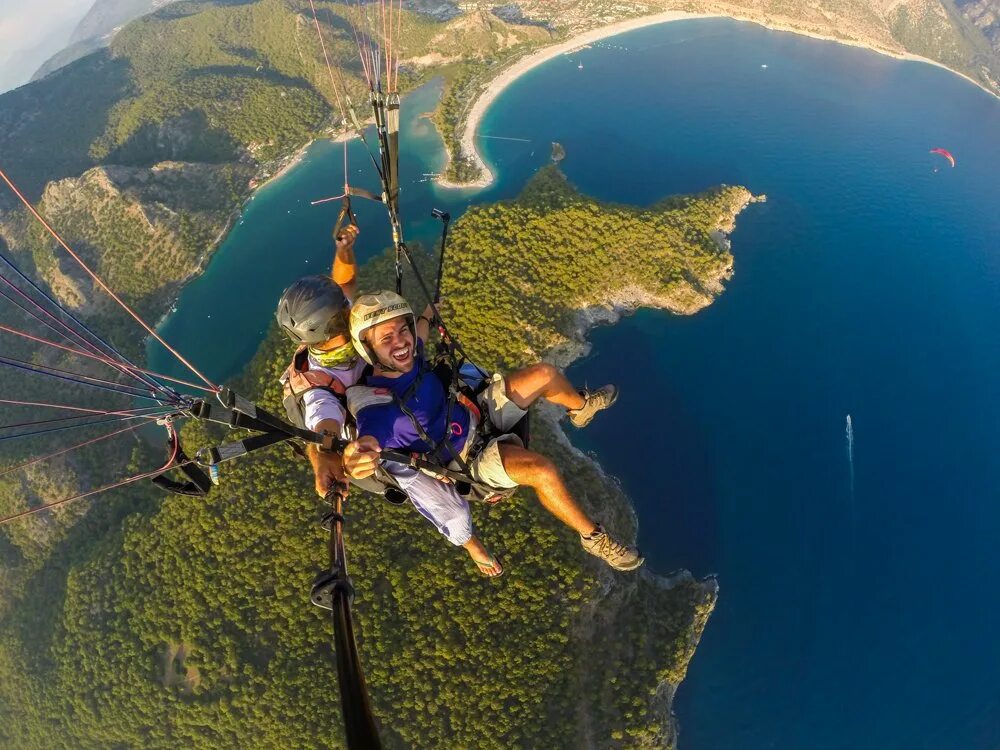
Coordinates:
[595,401]
[619,556]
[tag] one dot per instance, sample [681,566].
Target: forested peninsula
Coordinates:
[165,621]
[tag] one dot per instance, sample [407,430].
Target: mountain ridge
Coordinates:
[95,30]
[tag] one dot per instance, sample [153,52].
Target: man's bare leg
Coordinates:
[542,380]
[539,473]
[536,471]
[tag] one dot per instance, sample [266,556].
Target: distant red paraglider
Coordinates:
[945,153]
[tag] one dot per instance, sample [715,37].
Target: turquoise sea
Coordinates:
[858,604]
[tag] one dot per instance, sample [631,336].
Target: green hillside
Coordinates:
[167,621]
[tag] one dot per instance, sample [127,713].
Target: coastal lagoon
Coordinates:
[868,285]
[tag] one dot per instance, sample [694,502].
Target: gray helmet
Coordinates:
[313,310]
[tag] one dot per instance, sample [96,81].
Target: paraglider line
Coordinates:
[329,67]
[99,282]
[68,407]
[73,377]
[105,360]
[12,469]
[70,334]
[114,420]
[137,478]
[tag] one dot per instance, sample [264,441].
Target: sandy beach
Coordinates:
[533,60]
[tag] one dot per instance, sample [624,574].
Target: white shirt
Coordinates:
[319,404]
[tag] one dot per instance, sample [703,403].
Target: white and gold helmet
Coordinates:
[371,309]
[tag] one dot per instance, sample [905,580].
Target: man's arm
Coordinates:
[328,468]
[424,322]
[345,267]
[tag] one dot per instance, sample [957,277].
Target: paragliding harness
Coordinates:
[441,462]
[298,380]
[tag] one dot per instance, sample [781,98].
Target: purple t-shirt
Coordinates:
[428,402]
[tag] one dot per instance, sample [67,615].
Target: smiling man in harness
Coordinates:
[400,404]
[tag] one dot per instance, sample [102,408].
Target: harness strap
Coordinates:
[436,446]
[346,215]
[469,404]
[237,412]
[417,461]
[299,378]
[198,482]
[238,448]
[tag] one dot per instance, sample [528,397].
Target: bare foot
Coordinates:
[491,568]
[489,565]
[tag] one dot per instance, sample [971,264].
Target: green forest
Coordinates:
[162,621]
[553,252]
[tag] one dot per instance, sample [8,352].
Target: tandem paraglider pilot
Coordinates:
[360,372]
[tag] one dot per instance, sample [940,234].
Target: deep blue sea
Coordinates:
[868,285]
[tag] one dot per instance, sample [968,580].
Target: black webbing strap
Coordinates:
[445,218]
[416,461]
[238,448]
[392,147]
[346,215]
[238,413]
[434,445]
[198,482]
[399,273]
[359,192]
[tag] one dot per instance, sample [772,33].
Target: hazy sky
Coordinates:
[31,32]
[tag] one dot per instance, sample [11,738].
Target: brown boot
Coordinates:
[594,402]
[619,556]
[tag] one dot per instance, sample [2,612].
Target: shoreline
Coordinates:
[607,312]
[283,166]
[489,95]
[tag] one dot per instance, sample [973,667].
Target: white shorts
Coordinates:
[504,414]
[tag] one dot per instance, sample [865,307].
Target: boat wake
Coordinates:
[850,451]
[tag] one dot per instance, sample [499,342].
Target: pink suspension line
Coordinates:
[148,413]
[12,469]
[329,67]
[85,379]
[364,62]
[101,412]
[82,495]
[387,40]
[67,331]
[129,369]
[99,282]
